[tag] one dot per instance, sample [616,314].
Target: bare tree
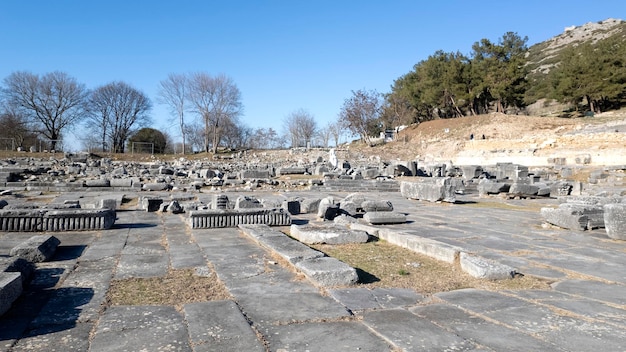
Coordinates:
[16,128]
[173,93]
[118,109]
[216,100]
[336,130]
[54,101]
[300,125]
[360,113]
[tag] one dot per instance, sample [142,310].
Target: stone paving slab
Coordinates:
[406,331]
[73,337]
[326,336]
[360,299]
[219,326]
[480,331]
[288,312]
[141,328]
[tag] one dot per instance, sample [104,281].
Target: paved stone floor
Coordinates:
[276,310]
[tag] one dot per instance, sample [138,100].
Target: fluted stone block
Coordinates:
[217,218]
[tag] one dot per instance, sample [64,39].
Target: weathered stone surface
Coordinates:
[220,326]
[175,207]
[615,221]
[523,189]
[247,202]
[220,201]
[24,220]
[376,205]
[332,234]
[471,171]
[155,186]
[121,182]
[36,249]
[98,183]
[292,206]
[19,265]
[323,206]
[575,216]
[328,272]
[483,268]
[293,170]
[151,204]
[432,189]
[309,205]
[256,174]
[10,289]
[432,248]
[384,217]
[216,218]
[486,187]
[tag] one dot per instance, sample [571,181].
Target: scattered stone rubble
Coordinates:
[173,187]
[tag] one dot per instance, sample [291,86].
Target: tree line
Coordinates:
[496,76]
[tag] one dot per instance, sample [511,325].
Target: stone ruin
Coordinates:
[176,187]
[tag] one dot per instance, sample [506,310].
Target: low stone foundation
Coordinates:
[43,220]
[215,218]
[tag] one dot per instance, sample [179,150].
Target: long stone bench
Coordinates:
[216,218]
[31,220]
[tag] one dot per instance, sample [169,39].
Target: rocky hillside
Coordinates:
[542,56]
[527,140]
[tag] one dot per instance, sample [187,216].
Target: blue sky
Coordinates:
[282,55]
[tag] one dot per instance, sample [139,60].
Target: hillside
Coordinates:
[527,140]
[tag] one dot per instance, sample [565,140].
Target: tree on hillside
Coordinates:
[360,114]
[53,101]
[116,110]
[149,135]
[300,126]
[173,93]
[216,100]
[503,69]
[594,73]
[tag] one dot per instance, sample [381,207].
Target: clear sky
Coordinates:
[283,55]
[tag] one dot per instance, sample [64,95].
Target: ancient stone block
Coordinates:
[314,234]
[98,183]
[328,272]
[246,202]
[155,186]
[430,189]
[615,220]
[309,205]
[575,216]
[483,268]
[36,249]
[10,290]
[486,187]
[384,217]
[151,204]
[376,205]
[523,189]
[19,265]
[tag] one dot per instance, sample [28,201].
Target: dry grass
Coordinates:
[178,287]
[381,264]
